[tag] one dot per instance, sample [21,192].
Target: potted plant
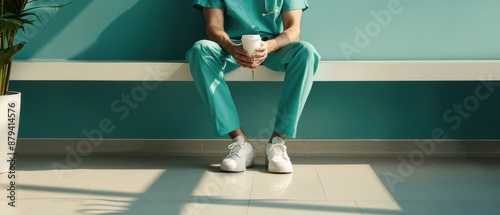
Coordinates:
[14,15]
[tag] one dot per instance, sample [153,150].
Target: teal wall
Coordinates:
[149,30]
[152,30]
[340,110]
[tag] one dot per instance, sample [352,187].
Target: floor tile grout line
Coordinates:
[359,208]
[251,190]
[379,182]
[321,183]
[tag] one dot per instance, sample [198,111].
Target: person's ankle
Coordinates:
[276,134]
[240,139]
[238,133]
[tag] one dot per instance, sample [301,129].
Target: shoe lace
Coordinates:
[278,149]
[234,148]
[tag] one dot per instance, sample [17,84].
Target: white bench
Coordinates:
[328,71]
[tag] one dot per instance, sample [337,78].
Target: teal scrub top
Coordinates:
[245,16]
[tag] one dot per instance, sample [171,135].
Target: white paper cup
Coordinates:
[250,43]
[250,37]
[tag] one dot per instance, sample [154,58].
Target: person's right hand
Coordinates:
[241,56]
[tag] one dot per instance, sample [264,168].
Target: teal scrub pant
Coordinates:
[208,64]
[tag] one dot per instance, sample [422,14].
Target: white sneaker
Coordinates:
[240,157]
[277,160]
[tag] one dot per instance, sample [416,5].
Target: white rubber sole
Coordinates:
[273,168]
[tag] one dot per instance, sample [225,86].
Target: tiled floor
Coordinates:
[193,185]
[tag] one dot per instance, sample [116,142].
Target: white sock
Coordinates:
[278,140]
[239,139]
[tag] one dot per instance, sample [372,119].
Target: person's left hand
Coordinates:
[260,55]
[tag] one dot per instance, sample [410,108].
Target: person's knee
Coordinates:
[307,50]
[200,48]
[201,45]
[307,54]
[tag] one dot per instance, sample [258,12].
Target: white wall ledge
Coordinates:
[328,71]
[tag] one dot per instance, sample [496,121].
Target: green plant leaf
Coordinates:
[14,15]
[12,24]
[7,54]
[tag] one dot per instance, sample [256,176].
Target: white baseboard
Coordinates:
[368,148]
[328,71]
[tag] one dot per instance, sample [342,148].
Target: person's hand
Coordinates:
[241,56]
[250,62]
[260,55]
